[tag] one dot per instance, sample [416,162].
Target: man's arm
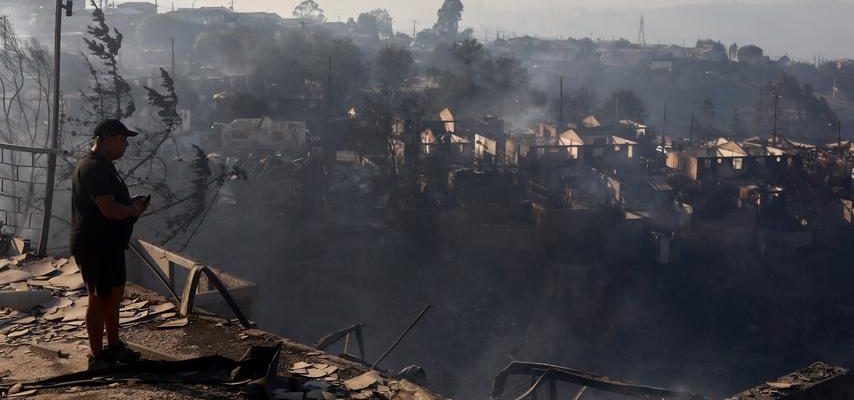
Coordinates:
[112,209]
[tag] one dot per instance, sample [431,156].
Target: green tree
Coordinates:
[384,22]
[448,23]
[309,9]
[746,53]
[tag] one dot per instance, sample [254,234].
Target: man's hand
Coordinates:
[141,204]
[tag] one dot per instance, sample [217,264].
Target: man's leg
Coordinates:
[112,307]
[95,315]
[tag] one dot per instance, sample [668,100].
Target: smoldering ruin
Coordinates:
[582,217]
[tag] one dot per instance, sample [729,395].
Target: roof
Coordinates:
[621,140]
[590,122]
[246,123]
[136,4]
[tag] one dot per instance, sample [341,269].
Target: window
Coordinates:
[631,151]
[707,163]
[737,163]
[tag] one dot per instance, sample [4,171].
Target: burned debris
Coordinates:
[819,380]
[545,377]
[42,303]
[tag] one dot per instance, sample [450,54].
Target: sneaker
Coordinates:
[122,354]
[101,361]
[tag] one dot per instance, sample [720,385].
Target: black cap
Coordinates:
[109,127]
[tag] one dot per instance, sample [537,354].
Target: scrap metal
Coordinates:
[553,373]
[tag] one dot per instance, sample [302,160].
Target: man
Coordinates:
[102,220]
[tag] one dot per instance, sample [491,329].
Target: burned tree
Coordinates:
[25,86]
[145,166]
[110,95]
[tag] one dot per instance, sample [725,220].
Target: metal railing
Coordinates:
[23,191]
[207,287]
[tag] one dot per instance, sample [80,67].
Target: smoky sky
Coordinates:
[802,29]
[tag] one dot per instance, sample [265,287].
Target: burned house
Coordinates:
[440,141]
[724,159]
[457,142]
[256,134]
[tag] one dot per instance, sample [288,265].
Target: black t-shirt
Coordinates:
[90,230]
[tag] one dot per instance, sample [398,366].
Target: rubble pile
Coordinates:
[797,381]
[44,300]
[323,382]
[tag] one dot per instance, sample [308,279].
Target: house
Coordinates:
[136,7]
[451,148]
[672,52]
[629,128]
[726,159]
[660,65]
[256,134]
[204,15]
[258,18]
[710,52]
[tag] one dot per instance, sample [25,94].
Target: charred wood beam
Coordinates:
[583,378]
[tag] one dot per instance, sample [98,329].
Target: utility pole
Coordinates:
[54,128]
[839,135]
[691,132]
[664,128]
[776,97]
[172,40]
[560,113]
[329,90]
[414,28]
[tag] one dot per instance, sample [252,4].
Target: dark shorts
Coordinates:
[102,270]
